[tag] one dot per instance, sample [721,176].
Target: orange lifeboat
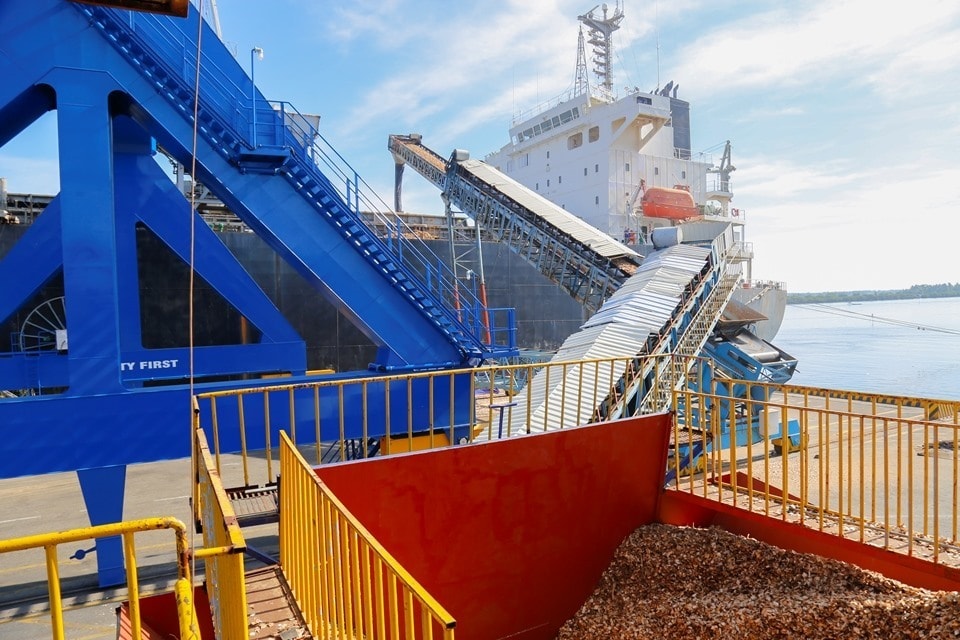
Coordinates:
[672,204]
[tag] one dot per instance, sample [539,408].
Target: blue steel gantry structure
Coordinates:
[124,84]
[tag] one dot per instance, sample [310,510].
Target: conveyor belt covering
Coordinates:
[584,261]
[670,305]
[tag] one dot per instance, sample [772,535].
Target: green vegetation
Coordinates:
[945,290]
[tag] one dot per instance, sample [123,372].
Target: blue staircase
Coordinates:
[264,142]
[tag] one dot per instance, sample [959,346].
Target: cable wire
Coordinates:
[848,313]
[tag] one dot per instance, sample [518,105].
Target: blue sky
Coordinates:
[844,115]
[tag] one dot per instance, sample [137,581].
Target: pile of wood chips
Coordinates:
[679,582]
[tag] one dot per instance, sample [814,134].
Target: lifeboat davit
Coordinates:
[672,204]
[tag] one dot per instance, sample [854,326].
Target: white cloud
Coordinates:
[816,43]
[888,231]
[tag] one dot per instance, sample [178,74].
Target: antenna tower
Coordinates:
[600,36]
[581,83]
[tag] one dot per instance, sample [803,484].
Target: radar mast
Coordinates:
[600,33]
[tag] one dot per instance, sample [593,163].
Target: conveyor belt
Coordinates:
[583,260]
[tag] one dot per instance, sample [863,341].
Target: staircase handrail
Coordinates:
[156,34]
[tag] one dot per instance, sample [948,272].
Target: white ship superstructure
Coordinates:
[595,154]
[592,153]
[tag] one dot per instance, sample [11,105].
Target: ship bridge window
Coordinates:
[548,124]
[575,140]
[644,100]
[594,134]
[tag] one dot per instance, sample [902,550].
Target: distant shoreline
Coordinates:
[915,292]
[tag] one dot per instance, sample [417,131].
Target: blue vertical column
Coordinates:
[102,489]
[88,230]
[89,240]
[130,142]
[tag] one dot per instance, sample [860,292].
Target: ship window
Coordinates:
[627,168]
[644,100]
[576,112]
[548,157]
[548,182]
[594,134]
[596,199]
[559,179]
[575,140]
[596,168]
[656,171]
[683,174]
[546,125]
[555,120]
[525,160]
[566,116]
[584,171]
[537,130]
[538,186]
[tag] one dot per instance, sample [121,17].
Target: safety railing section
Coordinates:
[385,414]
[223,545]
[238,122]
[866,467]
[346,583]
[49,542]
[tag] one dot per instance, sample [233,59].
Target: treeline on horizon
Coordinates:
[946,290]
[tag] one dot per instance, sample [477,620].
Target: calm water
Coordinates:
[841,346]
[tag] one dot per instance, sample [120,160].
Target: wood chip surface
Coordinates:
[687,583]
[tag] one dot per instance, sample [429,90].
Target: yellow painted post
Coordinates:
[266,434]
[53,585]
[183,592]
[316,422]
[243,441]
[216,431]
[133,586]
[293,415]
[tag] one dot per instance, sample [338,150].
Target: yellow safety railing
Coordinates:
[869,467]
[223,546]
[589,391]
[127,530]
[346,583]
